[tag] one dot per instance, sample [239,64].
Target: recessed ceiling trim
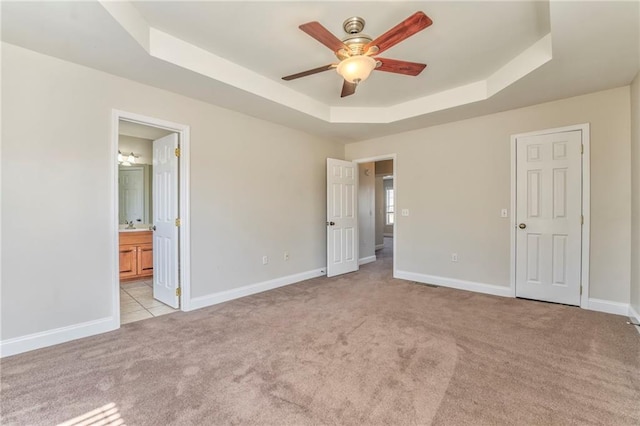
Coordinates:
[538,54]
[174,50]
[438,101]
[178,52]
[130,19]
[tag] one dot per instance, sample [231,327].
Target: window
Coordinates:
[389,206]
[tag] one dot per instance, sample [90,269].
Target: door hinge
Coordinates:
[178,222]
[580,290]
[582,219]
[179,291]
[177,151]
[581,149]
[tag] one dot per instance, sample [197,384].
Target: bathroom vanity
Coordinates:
[136,254]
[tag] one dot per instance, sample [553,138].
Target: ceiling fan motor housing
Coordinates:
[356,39]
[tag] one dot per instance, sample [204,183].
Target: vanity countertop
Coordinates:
[138,228]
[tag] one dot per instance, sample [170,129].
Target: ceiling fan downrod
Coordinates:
[353,25]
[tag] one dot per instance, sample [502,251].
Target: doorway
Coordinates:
[385,209]
[351,206]
[151,200]
[377,211]
[550,220]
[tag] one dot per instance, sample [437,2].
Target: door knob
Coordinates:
[330,223]
[522,226]
[153,228]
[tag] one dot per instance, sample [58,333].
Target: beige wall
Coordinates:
[58,256]
[635,194]
[366,209]
[454,179]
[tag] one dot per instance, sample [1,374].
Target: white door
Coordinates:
[131,193]
[342,214]
[165,214]
[549,217]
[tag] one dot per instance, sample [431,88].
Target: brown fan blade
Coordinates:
[400,67]
[348,89]
[320,33]
[405,29]
[308,72]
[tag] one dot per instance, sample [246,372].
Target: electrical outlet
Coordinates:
[504,213]
[454,257]
[265,260]
[286,255]
[405,212]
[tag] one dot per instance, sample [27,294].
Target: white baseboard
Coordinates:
[236,293]
[366,260]
[379,246]
[608,306]
[43,339]
[495,290]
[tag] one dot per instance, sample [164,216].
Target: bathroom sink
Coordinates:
[137,228]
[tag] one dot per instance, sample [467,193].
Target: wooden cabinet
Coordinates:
[145,259]
[128,261]
[136,255]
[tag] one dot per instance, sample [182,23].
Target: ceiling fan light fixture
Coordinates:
[356,68]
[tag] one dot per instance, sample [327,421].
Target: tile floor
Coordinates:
[137,302]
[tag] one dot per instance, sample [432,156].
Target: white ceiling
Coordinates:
[592,46]
[264,36]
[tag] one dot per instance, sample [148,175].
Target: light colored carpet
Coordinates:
[359,349]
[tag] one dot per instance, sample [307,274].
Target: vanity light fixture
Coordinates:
[129,160]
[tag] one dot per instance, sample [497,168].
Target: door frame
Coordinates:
[394,158]
[586,203]
[184,240]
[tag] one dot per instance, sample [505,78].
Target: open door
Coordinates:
[165,220]
[342,217]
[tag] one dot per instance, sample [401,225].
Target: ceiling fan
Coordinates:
[356,51]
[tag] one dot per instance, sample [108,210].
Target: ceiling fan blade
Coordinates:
[348,89]
[320,33]
[308,72]
[400,67]
[405,29]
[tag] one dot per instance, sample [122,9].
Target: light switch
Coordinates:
[405,212]
[504,213]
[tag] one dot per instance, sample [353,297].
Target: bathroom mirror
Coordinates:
[134,194]
[135,156]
